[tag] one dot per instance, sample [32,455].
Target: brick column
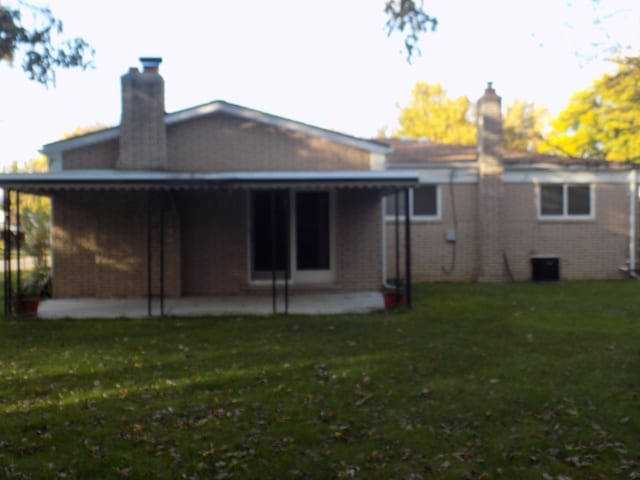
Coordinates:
[143,138]
[490,189]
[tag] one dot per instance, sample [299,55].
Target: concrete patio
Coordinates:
[308,304]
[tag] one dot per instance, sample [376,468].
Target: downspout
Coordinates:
[633,188]
[384,244]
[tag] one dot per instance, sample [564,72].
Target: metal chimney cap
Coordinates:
[150,62]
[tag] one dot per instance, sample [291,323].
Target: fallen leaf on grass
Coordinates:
[363,400]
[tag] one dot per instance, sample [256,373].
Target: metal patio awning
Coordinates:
[161,180]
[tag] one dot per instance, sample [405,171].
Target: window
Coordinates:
[390,204]
[565,201]
[423,200]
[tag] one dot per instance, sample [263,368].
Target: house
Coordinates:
[221,200]
[215,200]
[484,214]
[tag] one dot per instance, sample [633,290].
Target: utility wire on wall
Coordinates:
[454,214]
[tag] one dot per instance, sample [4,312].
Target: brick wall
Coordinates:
[100,245]
[358,239]
[101,155]
[73,244]
[220,142]
[588,249]
[491,208]
[214,248]
[430,252]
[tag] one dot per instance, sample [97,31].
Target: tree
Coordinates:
[523,126]
[410,16]
[603,121]
[432,114]
[39,44]
[35,216]
[35,210]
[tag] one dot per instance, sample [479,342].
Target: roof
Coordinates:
[412,152]
[145,179]
[238,111]
[420,151]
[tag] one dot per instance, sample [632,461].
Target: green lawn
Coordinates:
[515,381]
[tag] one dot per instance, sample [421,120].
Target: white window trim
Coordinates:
[418,218]
[566,216]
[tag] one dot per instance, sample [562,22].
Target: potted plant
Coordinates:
[393,293]
[30,293]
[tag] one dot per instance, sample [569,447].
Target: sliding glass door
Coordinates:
[292,229]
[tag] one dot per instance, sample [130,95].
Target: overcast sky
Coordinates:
[327,63]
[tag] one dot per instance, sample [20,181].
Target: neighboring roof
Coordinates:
[238,111]
[409,151]
[412,152]
[143,179]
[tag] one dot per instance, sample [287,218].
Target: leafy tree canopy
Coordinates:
[35,216]
[432,114]
[523,126]
[37,41]
[35,210]
[408,17]
[603,121]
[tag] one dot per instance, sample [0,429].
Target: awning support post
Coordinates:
[407,248]
[18,272]
[397,244]
[7,252]
[273,251]
[149,258]
[162,208]
[288,258]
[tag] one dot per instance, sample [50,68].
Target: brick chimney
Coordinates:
[143,137]
[490,188]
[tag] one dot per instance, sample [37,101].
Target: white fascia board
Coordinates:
[566,176]
[451,175]
[458,172]
[377,161]
[280,122]
[55,161]
[53,148]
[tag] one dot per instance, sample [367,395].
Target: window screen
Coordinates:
[579,199]
[425,201]
[551,200]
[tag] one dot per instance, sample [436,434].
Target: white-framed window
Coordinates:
[424,203]
[565,201]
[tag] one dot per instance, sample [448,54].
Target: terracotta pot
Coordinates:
[26,306]
[390,300]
